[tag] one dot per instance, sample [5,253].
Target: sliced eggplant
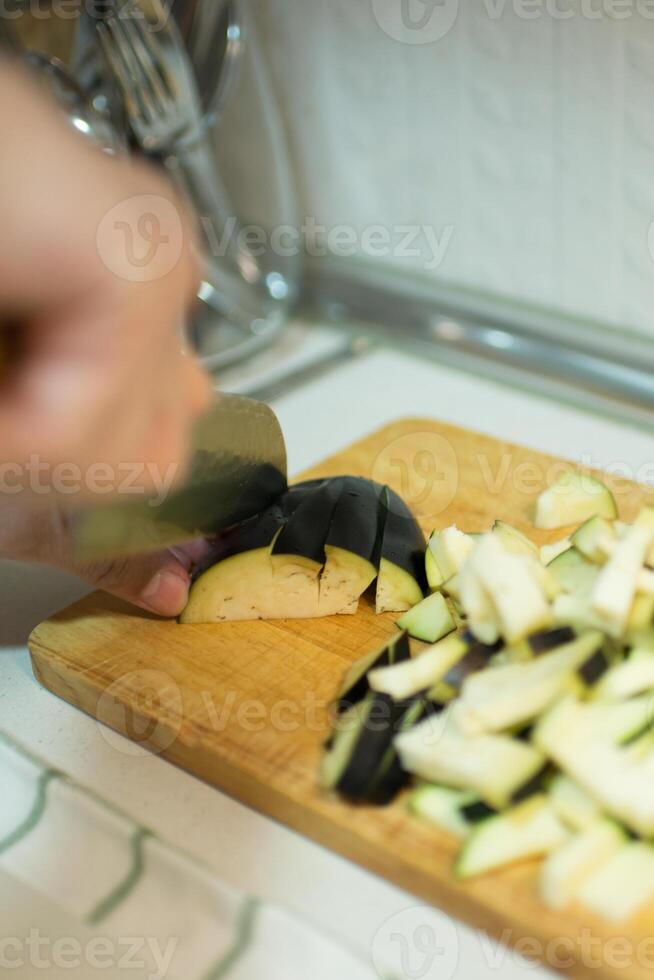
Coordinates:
[401,582]
[352,547]
[496,767]
[527,831]
[614,592]
[362,764]
[450,547]
[574,573]
[409,678]
[442,807]
[298,554]
[514,540]
[512,695]
[547,640]
[574,498]
[628,679]
[356,684]
[435,577]
[621,886]
[549,552]
[518,595]
[566,869]
[430,620]
[592,538]
[583,741]
[573,804]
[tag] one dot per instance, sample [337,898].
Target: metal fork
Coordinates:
[154,76]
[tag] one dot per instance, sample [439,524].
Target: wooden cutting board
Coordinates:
[244,706]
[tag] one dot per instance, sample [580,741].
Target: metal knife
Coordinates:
[238,468]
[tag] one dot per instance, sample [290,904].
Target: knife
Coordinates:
[238,468]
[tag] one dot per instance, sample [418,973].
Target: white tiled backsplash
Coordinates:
[523,139]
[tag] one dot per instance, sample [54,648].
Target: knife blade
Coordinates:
[238,468]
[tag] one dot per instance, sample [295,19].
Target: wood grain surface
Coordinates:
[244,706]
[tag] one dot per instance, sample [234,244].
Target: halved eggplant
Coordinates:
[352,547]
[235,581]
[298,553]
[313,553]
[401,583]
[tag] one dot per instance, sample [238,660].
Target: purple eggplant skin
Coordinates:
[257,531]
[356,524]
[306,529]
[357,688]
[402,542]
[547,640]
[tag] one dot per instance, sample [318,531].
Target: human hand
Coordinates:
[97,267]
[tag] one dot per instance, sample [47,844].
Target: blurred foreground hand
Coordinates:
[97,273]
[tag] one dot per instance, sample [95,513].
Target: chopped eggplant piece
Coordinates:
[357,684]
[634,676]
[615,589]
[420,673]
[450,547]
[574,573]
[429,621]
[362,764]
[547,640]
[434,575]
[573,498]
[493,766]
[549,552]
[514,694]
[514,540]
[622,885]
[443,807]
[530,830]
[517,594]
[573,804]
[567,869]
[592,537]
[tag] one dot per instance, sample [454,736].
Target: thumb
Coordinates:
[158,582]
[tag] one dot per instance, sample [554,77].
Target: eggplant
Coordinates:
[356,684]
[352,547]
[401,582]
[298,553]
[313,552]
[362,764]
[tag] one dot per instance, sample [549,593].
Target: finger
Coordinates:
[157,583]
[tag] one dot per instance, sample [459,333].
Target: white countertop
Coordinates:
[247,850]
